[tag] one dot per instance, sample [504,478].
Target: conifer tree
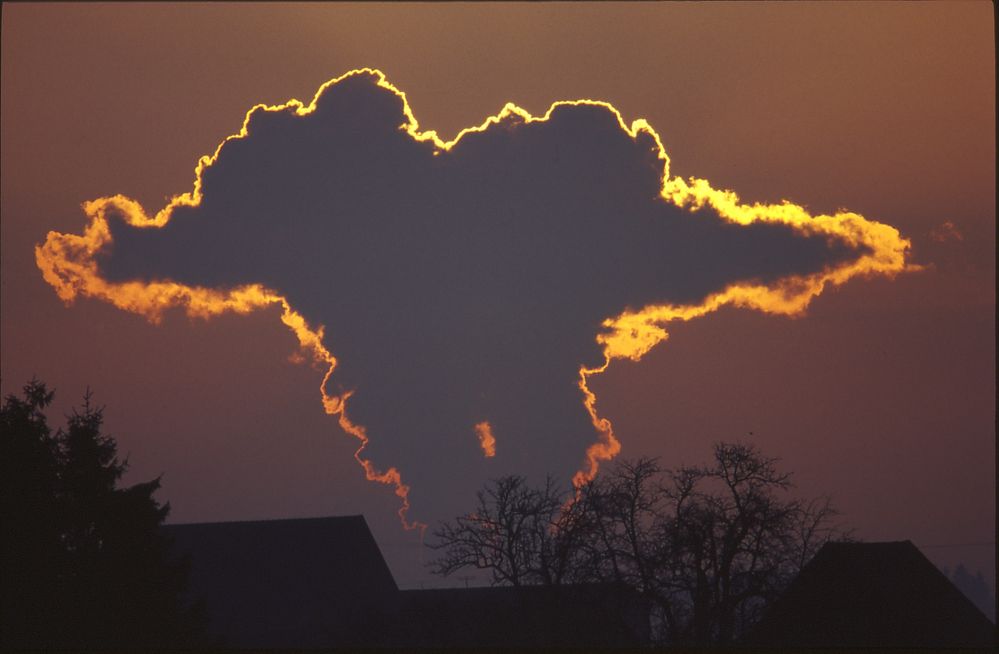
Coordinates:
[85,563]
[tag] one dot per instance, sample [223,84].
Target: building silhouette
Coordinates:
[573,616]
[315,582]
[322,582]
[872,595]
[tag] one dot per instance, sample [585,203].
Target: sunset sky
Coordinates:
[881,394]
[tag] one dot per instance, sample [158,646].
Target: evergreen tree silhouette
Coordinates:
[85,563]
[32,552]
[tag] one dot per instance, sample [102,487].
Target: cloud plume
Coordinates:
[447,285]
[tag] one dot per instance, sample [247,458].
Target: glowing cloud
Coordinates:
[486,439]
[486,276]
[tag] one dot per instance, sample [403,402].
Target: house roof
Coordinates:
[287,583]
[590,615]
[872,595]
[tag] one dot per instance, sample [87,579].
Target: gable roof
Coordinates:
[872,595]
[287,583]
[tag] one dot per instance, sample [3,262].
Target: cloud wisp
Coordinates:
[476,281]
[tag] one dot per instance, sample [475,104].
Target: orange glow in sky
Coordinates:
[486,439]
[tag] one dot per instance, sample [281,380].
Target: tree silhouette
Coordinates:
[32,552]
[734,541]
[84,561]
[521,535]
[708,546]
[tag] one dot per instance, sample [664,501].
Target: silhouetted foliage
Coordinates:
[85,563]
[708,546]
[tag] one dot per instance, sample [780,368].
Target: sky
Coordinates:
[445,315]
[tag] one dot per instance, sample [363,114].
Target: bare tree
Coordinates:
[625,526]
[521,535]
[708,546]
[733,540]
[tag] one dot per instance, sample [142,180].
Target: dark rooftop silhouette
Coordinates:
[288,583]
[872,595]
[322,582]
[590,615]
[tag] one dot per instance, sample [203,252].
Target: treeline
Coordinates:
[708,547]
[84,561]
